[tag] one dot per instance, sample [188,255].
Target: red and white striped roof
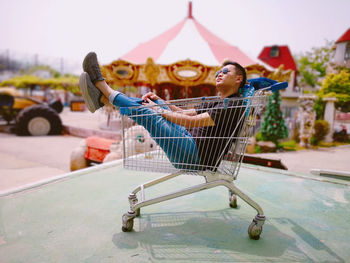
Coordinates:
[187,40]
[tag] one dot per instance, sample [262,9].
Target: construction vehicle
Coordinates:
[30,116]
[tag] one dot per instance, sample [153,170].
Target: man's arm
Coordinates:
[188,121]
[152,96]
[190,112]
[186,118]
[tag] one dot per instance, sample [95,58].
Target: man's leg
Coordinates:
[175,140]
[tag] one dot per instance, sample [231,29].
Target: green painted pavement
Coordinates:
[78,219]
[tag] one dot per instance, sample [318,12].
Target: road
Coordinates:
[28,159]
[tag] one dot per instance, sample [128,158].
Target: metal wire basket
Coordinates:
[221,150]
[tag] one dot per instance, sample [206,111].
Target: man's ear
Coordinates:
[239,78]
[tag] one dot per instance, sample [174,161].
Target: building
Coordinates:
[342,50]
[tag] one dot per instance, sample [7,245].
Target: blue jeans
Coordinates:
[177,143]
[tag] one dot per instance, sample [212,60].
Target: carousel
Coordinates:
[181,63]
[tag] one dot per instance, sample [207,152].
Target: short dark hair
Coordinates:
[239,70]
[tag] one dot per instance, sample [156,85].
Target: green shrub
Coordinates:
[338,85]
[257,149]
[321,128]
[296,135]
[258,136]
[288,145]
[319,107]
[313,140]
[340,135]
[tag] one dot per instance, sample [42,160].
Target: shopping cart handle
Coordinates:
[261,83]
[270,84]
[278,86]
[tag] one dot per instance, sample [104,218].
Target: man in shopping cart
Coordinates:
[192,139]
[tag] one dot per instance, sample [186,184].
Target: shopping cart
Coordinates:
[220,150]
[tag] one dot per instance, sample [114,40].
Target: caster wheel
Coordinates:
[133,200]
[128,223]
[254,231]
[138,212]
[233,201]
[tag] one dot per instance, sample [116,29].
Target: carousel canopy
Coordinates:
[183,60]
[187,40]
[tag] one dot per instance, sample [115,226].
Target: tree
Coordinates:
[337,85]
[273,127]
[312,65]
[68,83]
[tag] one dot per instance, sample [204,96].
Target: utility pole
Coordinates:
[62,65]
[36,59]
[7,56]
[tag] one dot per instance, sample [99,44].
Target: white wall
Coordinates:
[340,54]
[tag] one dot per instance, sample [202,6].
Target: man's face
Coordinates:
[227,81]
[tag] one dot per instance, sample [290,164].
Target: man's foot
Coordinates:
[90,65]
[91,94]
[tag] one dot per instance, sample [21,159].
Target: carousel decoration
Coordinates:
[182,76]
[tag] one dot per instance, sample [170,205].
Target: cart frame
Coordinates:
[253,105]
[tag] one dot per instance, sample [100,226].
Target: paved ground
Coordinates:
[79,220]
[334,158]
[25,160]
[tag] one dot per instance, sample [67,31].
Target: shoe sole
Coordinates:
[84,89]
[88,57]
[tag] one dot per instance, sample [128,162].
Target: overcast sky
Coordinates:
[71,28]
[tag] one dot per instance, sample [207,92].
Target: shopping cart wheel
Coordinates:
[128,222]
[254,230]
[233,201]
[133,201]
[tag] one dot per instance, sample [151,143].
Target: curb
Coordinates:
[84,133]
[331,173]
[306,176]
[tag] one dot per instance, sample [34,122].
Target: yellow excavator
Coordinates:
[30,116]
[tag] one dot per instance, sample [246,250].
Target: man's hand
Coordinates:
[151,96]
[148,102]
